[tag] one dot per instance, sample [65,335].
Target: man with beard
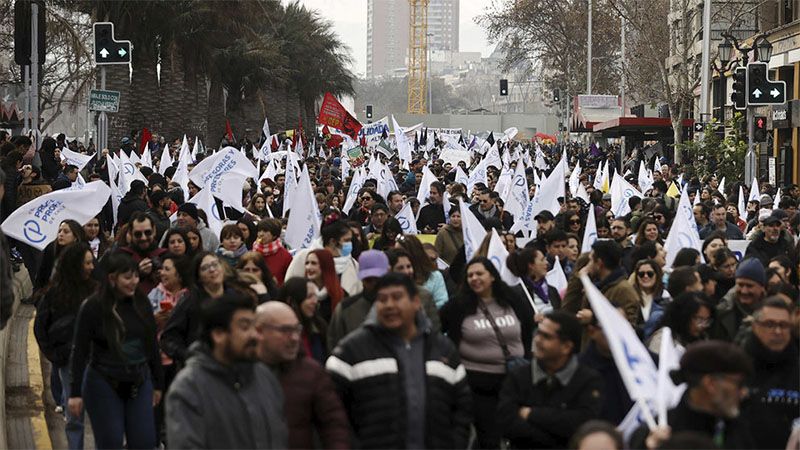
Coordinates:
[715,373]
[774,389]
[224,398]
[740,302]
[620,231]
[310,401]
[142,248]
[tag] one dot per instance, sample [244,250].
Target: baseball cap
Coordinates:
[372,263]
[544,216]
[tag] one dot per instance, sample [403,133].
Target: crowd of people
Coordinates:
[167,333]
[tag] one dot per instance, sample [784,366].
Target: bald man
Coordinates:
[310,398]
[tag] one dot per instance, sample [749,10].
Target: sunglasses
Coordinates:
[574,222]
[138,234]
[646,274]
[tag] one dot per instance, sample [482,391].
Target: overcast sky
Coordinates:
[349,18]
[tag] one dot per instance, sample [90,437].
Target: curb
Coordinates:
[41,435]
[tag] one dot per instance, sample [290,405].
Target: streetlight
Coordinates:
[763,49]
[725,49]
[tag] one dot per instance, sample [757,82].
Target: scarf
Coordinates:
[269,249]
[341,263]
[540,289]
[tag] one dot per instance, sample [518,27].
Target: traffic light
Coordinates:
[107,50]
[760,89]
[22,32]
[739,95]
[368,111]
[503,87]
[556,95]
[760,129]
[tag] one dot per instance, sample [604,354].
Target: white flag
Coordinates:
[223,174]
[668,395]
[556,277]
[498,254]
[147,158]
[477,175]
[473,231]
[205,201]
[493,157]
[777,199]
[582,194]
[36,223]
[740,205]
[304,219]
[599,175]
[404,147]
[185,154]
[755,196]
[721,187]
[425,185]
[539,161]
[574,179]
[683,233]
[355,185]
[621,191]
[645,178]
[289,187]
[76,159]
[406,218]
[634,363]
[545,198]
[195,149]
[461,177]
[517,198]
[590,232]
[166,160]
[182,177]
[116,196]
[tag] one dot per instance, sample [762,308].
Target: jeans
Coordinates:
[114,417]
[74,429]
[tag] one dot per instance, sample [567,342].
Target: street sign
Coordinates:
[699,127]
[106,101]
[107,50]
[760,89]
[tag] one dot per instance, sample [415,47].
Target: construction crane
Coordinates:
[417,61]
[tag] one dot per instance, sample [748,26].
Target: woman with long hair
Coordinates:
[492,328]
[646,280]
[388,238]
[115,364]
[426,273]
[54,324]
[400,262]
[530,265]
[176,241]
[572,223]
[724,262]
[301,294]
[248,228]
[96,237]
[195,241]
[183,326]
[321,271]
[258,206]
[712,243]
[647,231]
[689,317]
[69,231]
[253,263]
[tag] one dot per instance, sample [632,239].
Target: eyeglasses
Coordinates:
[772,325]
[365,198]
[286,330]
[138,234]
[214,265]
[702,321]
[646,274]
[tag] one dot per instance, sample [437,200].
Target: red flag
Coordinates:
[333,114]
[146,136]
[275,144]
[229,131]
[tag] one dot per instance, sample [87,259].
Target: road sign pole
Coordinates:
[35,69]
[750,158]
[26,119]
[102,118]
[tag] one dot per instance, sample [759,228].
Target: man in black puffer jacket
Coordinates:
[402,386]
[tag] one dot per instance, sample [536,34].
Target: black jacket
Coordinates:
[774,400]
[129,205]
[684,418]
[507,218]
[375,403]
[54,328]
[454,311]
[615,400]
[765,251]
[430,216]
[556,412]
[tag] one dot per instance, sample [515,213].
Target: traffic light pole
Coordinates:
[750,158]
[34,102]
[102,118]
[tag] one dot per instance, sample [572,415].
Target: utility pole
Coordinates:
[622,65]
[705,69]
[589,54]
[750,159]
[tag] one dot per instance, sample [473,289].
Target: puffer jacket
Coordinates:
[211,405]
[369,379]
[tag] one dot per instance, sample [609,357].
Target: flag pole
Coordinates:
[648,416]
[528,294]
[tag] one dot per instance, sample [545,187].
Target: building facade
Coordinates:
[387,33]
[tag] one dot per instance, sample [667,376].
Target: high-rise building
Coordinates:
[387,32]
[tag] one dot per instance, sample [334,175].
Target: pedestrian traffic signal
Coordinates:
[368,111]
[106,49]
[760,89]
[760,129]
[503,87]
[22,32]
[556,95]
[738,97]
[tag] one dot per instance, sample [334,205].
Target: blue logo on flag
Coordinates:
[33,232]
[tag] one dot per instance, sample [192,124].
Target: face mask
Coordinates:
[347,248]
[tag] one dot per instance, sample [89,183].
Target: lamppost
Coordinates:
[430,75]
[763,53]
